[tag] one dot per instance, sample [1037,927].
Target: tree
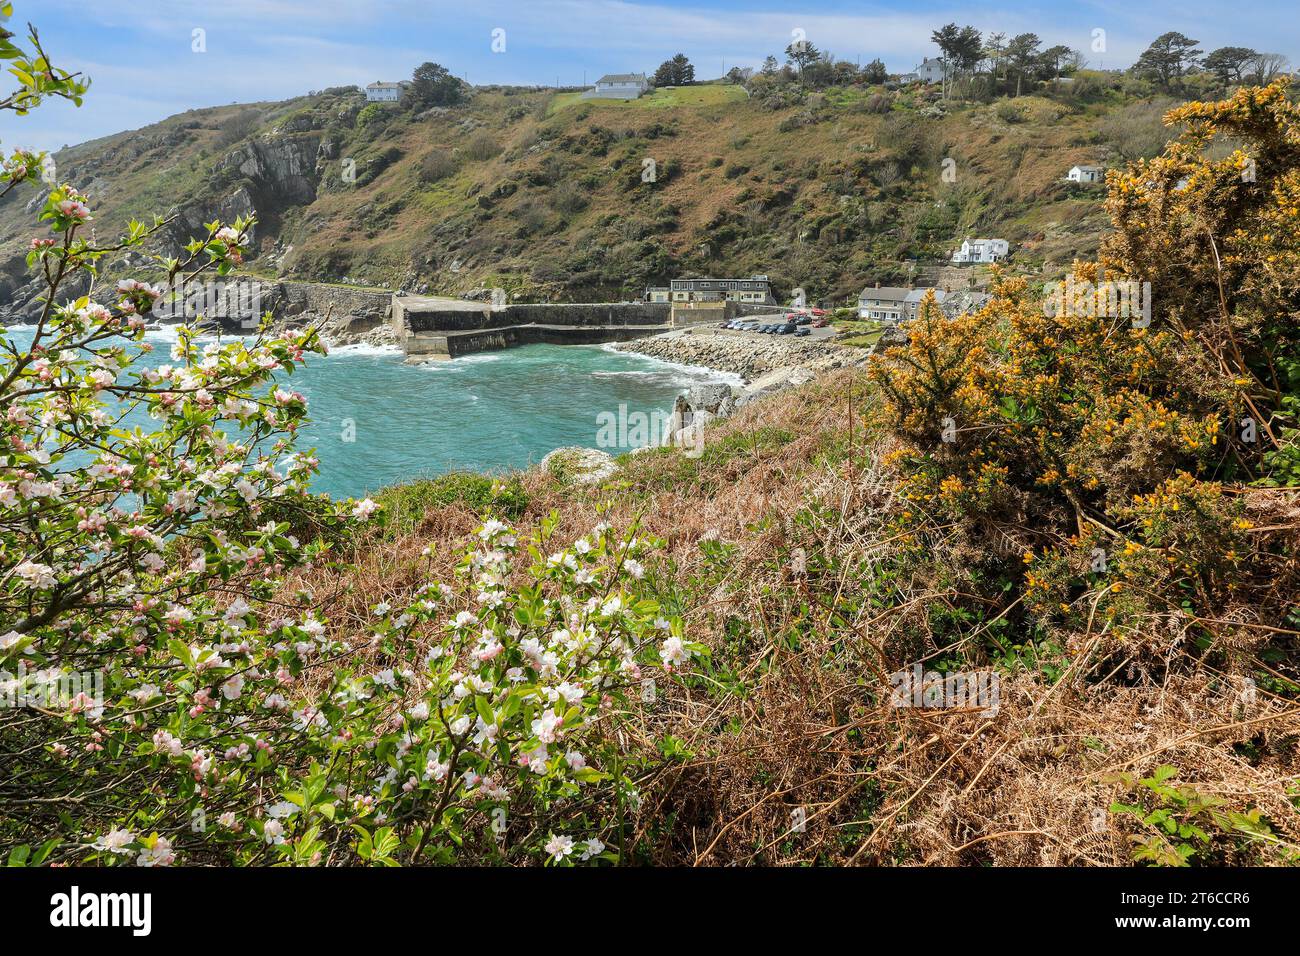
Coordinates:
[875,72]
[802,54]
[675,72]
[962,49]
[739,75]
[433,85]
[1023,57]
[1053,58]
[1169,58]
[994,47]
[1267,67]
[770,66]
[1229,63]
[177,694]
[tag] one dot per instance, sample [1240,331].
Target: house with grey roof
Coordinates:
[380,92]
[883,304]
[756,289]
[618,86]
[981,251]
[931,70]
[892,305]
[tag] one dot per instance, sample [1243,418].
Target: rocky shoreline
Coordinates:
[765,364]
[750,356]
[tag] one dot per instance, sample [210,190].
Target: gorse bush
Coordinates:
[1109,453]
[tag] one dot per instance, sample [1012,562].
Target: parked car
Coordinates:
[799,333]
[788,328]
[818,311]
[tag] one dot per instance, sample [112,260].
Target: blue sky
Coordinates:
[141,58]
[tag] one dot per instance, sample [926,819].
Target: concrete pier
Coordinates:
[434,329]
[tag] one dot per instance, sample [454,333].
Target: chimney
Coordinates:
[877,284]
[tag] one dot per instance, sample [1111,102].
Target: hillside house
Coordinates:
[890,305]
[981,251]
[659,293]
[380,92]
[756,289]
[930,71]
[618,86]
[1086,174]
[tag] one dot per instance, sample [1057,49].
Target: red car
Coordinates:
[818,311]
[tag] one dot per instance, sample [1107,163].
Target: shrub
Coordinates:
[1010,111]
[481,146]
[437,165]
[237,127]
[1093,432]
[373,114]
[185,702]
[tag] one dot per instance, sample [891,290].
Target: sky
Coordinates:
[149,59]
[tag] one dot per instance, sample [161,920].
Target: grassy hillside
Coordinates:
[543,193]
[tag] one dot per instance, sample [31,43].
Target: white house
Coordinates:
[981,250]
[618,86]
[379,92]
[930,71]
[1086,174]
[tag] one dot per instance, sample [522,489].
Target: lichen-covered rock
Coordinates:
[580,466]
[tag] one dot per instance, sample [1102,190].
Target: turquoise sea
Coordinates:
[377,421]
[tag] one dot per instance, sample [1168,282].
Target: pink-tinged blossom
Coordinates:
[115,841]
[559,846]
[673,652]
[160,854]
[36,575]
[75,209]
